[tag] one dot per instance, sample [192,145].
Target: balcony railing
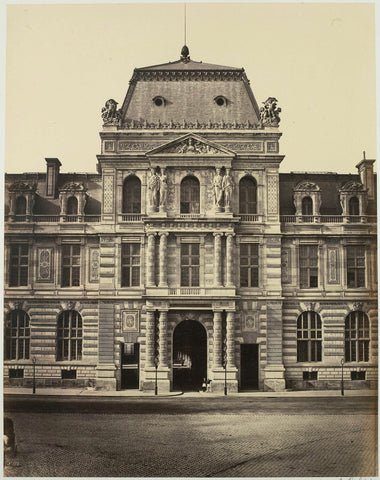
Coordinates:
[131,217]
[53,218]
[328,218]
[251,217]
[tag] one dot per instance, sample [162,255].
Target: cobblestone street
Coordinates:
[238,444]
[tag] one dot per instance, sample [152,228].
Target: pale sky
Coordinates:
[64,61]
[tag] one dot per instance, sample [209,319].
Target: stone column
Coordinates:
[163,346]
[217,363]
[149,361]
[230,333]
[218,260]
[150,261]
[230,263]
[163,260]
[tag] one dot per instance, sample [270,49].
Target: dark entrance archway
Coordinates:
[189,356]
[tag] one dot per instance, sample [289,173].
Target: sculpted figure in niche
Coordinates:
[154,188]
[163,188]
[228,187]
[218,187]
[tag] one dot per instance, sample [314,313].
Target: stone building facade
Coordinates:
[189,255]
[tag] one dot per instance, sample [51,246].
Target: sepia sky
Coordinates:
[64,61]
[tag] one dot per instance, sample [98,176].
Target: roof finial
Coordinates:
[364,155]
[185,51]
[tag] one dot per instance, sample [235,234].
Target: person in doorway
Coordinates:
[204,385]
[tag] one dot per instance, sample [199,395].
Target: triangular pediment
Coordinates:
[191,145]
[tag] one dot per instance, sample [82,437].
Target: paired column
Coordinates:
[163,339]
[218,259]
[229,248]
[217,340]
[163,259]
[149,362]
[150,261]
[230,334]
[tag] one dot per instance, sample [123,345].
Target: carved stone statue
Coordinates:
[163,188]
[218,188]
[269,113]
[228,187]
[154,187]
[110,114]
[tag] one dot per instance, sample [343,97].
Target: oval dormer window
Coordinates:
[220,101]
[159,101]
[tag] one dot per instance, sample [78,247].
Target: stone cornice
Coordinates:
[187,75]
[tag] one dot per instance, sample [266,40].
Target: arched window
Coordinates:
[307,206]
[17,335]
[69,336]
[20,208]
[353,206]
[309,337]
[190,195]
[247,195]
[356,333]
[72,206]
[132,195]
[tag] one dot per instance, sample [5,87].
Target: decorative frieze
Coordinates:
[186,125]
[189,75]
[244,147]
[127,146]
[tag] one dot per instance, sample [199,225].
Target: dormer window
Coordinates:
[220,101]
[159,101]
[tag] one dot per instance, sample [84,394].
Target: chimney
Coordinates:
[365,168]
[52,172]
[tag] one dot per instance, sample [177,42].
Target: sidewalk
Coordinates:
[137,393]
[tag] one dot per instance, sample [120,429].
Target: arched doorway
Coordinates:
[189,356]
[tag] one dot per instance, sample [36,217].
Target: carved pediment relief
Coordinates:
[352,186]
[22,187]
[307,186]
[191,145]
[73,187]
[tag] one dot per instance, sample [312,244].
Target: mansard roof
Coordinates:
[191,91]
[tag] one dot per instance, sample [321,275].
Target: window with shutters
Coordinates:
[309,337]
[69,336]
[17,335]
[308,266]
[130,264]
[19,265]
[190,264]
[357,338]
[70,265]
[249,264]
[355,266]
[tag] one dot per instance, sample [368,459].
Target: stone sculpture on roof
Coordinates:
[269,113]
[110,114]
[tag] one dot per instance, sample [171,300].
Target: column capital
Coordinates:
[151,234]
[218,234]
[230,234]
[163,234]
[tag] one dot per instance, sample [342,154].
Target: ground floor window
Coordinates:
[309,337]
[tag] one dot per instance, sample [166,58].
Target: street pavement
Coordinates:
[193,436]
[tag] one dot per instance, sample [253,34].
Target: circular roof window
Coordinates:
[158,101]
[220,101]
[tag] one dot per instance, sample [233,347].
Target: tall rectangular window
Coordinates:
[70,265]
[130,265]
[249,264]
[308,257]
[190,264]
[19,264]
[309,337]
[356,266]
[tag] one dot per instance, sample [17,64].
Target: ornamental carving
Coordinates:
[307,186]
[110,114]
[332,264]
[22,187]
[190,75]
[94,264]
[286,265]
[191,147]
[358,306]
[244,147]
[171,125]
[72,187]
[126,146]
[269,113]
[353,186]
[44,268]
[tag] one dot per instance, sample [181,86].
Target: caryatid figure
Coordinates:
[154,187]
[228,187]
[218,187]
[163,188]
